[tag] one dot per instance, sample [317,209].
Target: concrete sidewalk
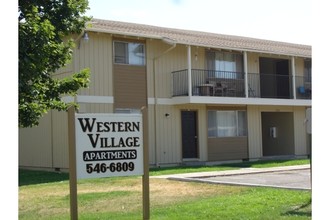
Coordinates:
[290,177]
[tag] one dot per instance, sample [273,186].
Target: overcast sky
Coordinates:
[280,20]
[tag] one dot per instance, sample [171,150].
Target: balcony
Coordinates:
[232,84]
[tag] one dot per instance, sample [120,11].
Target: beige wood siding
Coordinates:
[165,142]
[160,65]
[253,73]
[253,62]
[151,133]
[130,86]
[96,55]
[300,133]
[254,132]
[264,108]
[95,108]
[60,140]
[299,66]
[35,144]
[168,135]
[228,148]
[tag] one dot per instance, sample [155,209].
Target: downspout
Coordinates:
[293,70]
[170,42]
[246,74]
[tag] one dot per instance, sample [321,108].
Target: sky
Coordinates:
[279,20]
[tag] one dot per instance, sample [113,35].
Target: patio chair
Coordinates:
[218,88]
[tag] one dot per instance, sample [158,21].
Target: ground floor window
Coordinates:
[227,123]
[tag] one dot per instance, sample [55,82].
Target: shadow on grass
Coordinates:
[303,210]
[30,177]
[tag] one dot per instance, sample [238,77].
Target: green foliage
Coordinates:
[43,24]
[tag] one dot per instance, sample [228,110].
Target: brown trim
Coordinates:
[129,86]
[227,148]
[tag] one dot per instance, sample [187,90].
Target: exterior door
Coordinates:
[274,78]
[189,134]
[277,133]
[283,82]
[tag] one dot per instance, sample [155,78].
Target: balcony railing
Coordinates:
[271,85]
[304,87]
[209,83]
[232,84]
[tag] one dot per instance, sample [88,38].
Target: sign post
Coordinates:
[145,178]
[72,164]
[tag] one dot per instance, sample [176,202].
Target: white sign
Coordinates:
[108,145]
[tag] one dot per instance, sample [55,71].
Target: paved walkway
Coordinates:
[290,177]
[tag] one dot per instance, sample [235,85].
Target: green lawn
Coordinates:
[45,195]
[231,166]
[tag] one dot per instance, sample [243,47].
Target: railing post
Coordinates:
[293,70]
[246,74]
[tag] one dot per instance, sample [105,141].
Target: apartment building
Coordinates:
[210,98]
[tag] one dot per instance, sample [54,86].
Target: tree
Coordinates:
[45,45]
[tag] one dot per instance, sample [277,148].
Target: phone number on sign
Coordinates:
[112,167]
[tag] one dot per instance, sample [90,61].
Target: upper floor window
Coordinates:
[225,64]
[129,53]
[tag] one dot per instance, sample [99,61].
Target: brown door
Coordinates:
[189,134]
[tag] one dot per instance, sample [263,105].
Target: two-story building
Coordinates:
[210,97]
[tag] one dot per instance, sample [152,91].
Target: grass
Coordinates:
[45,195]
[231,166]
